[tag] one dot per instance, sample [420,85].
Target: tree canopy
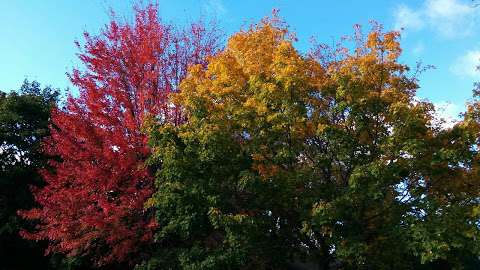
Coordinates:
[326,157]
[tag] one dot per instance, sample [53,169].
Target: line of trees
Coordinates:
[180,152]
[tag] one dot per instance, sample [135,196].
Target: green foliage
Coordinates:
[24,118]
[201,202]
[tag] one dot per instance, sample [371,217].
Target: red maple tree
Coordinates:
[93,201]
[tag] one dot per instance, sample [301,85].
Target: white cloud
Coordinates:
[447,113]
[466,65]
[448,18]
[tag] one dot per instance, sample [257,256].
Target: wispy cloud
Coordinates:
[447,18]
[451,17]
[215,7]
[407,18]
[419,48]
[467,65]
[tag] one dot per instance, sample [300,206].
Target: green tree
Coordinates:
[24,119]
[218,205]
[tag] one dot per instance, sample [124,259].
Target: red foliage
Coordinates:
[93,202]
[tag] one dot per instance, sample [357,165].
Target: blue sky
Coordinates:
[37,36]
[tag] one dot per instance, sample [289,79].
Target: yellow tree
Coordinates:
[326,157]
